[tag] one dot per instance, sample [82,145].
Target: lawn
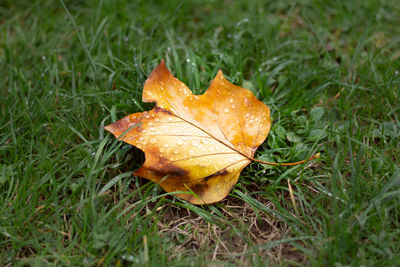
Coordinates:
[328,70]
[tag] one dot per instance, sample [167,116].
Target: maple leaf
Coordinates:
[197,144]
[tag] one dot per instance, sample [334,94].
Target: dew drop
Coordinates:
[231,100]
[226,110]
[166,145]
[175,150]
[191,152]
[233,106]
[179,142]
[246,102]
[194,143]
[141,138]
[153,140]
[203,141]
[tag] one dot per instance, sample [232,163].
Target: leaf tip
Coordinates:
[162,63]
[220,74]
[109,128]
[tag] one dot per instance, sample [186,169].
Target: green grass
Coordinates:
[330,73]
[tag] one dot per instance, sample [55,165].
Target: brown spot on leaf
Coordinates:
[199,189]
[169,169]
[163,166]
[161,110]
[221,172]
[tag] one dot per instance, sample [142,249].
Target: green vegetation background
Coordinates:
[329,71]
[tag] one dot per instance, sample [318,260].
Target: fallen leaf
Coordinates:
[196,145]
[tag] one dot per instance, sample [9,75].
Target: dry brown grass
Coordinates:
[236,238]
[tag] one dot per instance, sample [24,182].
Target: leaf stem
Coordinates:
[289,163]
